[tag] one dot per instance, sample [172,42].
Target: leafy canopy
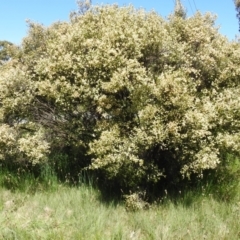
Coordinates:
[147,98]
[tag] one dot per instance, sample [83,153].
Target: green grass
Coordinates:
[80,213]
[43,208]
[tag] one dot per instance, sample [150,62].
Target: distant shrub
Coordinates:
[135,202]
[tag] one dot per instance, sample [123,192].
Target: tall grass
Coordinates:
[43,208]
[79,213]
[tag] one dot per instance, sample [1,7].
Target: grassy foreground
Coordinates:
[80,213]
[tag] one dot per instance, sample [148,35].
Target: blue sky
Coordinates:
[13,13]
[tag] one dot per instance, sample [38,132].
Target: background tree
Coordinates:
[83,7]
[4,51]
[237,5]
[179,9]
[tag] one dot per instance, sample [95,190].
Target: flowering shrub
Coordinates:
[146,97]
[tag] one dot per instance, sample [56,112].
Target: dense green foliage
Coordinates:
[123,92]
